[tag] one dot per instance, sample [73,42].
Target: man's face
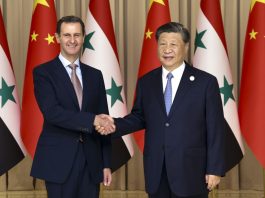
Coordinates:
[71,40]
[171,50]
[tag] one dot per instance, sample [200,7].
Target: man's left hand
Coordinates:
[212,181]
[107,176]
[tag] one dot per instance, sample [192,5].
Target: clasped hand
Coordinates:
[104,124]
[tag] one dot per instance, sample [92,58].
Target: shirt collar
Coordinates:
[178,71]
[66,62]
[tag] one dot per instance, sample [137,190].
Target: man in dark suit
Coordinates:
[71,156]
[180,109]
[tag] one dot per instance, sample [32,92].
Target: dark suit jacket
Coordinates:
[63,122]
[190,139]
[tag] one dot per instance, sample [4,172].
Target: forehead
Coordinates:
[170,36]
[71,27]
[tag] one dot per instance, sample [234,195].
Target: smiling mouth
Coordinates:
[168,58]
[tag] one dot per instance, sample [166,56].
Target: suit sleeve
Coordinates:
[135,120]
[105,140]
[215,130]
[51,109]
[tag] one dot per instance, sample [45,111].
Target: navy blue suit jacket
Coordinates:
[63,122]
[190,139]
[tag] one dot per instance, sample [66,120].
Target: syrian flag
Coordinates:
[11,147]
[211,56]
[100,51]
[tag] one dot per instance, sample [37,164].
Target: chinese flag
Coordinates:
[158,15]
[42,48]
[252,90]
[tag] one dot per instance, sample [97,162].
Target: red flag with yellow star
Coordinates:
[158,15]
[252,90]
[42,48]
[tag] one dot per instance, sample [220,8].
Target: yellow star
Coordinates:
[253,2]
[34,36]
[157,1]
[148,34]
[253,34]
[50,39]
[42,2]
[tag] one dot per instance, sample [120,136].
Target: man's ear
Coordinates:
[57,36]
[187,47]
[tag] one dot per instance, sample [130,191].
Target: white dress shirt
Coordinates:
[177,74]
[66,64]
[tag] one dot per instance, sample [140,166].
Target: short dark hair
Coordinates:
[69,19]
[174,27]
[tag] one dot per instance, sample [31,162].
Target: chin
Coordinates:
[73,52]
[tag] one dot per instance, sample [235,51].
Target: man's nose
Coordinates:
[167,49]
[72,39]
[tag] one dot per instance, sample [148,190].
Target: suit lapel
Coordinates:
[64,77]
[158,88]
[85,79]
[184,87]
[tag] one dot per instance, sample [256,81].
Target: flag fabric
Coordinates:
[252,90]
[100,51]
[211,56]
[42,48]
[11,147]
[158,15]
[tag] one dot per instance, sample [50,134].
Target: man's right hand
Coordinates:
[104,124]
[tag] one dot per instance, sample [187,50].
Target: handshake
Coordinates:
[104,124]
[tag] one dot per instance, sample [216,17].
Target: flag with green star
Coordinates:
[210,55]
[100,51]
[12,149]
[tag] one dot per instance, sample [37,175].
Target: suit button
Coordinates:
[167,124]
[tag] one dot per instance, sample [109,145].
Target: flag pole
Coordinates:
[263,182]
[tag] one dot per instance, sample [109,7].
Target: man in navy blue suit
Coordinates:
[71,156]
[180,109]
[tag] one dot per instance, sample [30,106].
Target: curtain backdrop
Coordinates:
[129,17]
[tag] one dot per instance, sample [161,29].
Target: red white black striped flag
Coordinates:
[11,146]
[211,56]
[100,51]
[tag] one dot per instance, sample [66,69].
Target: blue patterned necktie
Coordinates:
[168,93]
